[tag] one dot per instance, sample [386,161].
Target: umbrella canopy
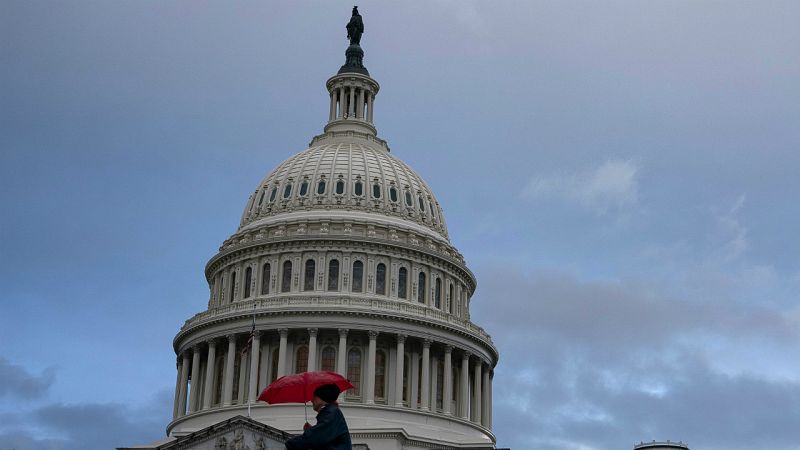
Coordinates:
[299,388]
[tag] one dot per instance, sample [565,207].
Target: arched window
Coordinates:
[273,194]
[380,279]
[354,371]
[308,280]
[408,198]
[321,187]
[287,190]
[340,187]
[437,300]
[265,278]
[358,276]
[358,188]
[421,204]
[301,359]
[380,374]
[451,299]
[328,359]
[402,283]
[376,190]
[304,188]
[261,197]
[248,279]
[393,194]
[232,289]
[430,207]
[286,279]
[421,288]
[333,275]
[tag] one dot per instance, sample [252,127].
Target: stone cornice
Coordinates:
[303,305]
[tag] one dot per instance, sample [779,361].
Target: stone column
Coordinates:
[342,111]
[228,388]
[370,384]
[490,403]
[176,398]
[284,333]
[184,381]
[211,363]
[426,375]
[369,107]
[312,349]
[398,377]
[360,113]
[478,380]
[341,356]
[465,385]
[332,114]
[448,380]
[351,108]
[255,355]
[485,420]
[241,394]
[195,388]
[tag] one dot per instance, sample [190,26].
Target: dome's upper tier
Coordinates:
[351,176]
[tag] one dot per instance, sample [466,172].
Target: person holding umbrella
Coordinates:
[330,431]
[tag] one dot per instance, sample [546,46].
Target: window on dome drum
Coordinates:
[358,276]
[304,188]
[273,373]
[265,274]
[308,280]
[437,301]
[421,203]
[321,187]
[328,359]
[380,374]
[248,279]
[333,275]
[286,279]
[232,290]
[402,282]
[358,188]
[301,360]
[451,298]
[273,194]
[430,207]
[380,279]
[287,190]
[354,371]
[261,197]
[421,288]
[340,187]
[376,190]
[393,194]
[408,199]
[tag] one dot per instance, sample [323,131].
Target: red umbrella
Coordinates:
[299,388]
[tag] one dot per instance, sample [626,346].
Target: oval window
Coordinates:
[287,191]
[304,188]
[340,187]
[359,188]
[273,194]
[376,190]
[408,198]
[393,194]
[321,187]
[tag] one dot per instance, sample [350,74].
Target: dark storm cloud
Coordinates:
[603,364]
[88,425]
[16,381]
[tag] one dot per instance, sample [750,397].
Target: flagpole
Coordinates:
[252,333]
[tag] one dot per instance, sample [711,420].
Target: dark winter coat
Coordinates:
[330,432]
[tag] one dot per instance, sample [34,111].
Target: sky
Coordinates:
[620,176]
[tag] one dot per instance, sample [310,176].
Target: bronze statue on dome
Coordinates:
[355,28]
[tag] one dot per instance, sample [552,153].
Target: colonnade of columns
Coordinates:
[351,102]
[411,372]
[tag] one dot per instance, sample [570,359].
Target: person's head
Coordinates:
[327,393]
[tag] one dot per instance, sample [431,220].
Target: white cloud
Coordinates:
[612,186]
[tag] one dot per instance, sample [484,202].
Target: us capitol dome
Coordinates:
[343,258]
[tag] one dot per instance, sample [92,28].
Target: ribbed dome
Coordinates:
[351,176]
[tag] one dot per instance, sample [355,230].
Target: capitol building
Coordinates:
[343,261]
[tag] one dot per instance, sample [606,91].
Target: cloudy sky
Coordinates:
[621,177]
